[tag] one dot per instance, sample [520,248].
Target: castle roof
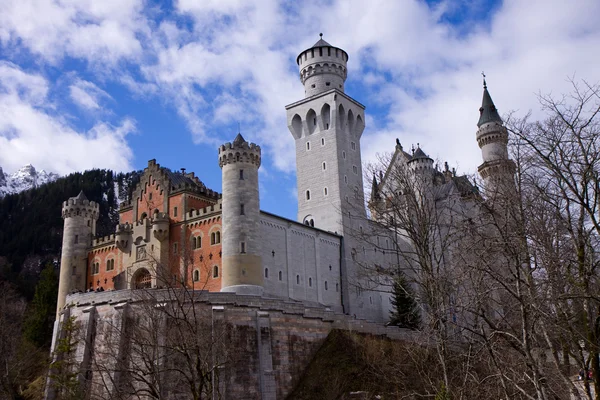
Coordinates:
[321,43]
[419,154]
[178,178]
[239,140]
[487,111]
[81,196]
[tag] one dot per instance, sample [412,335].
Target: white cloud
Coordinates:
[86,95]
[234,60]
[30,132]
[98,31]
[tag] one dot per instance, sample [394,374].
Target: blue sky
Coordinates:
[113,83]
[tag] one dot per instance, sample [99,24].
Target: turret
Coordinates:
[322,68]
[80,217]
[242,263]
[123,236]
[492,137]
[160,226]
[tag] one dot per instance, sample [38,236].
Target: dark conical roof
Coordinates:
[239,139]
[374,189]
[81,196]
[321,43]
[419,154]
[488,111]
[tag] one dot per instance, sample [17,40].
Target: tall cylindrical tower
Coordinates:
[242,264]
[322,68]
[80,217]
[497,169]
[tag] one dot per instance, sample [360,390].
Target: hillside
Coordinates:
[31,222]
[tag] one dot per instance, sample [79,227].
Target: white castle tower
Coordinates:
[242,263]
[80,217]
[497,169]
[327,125]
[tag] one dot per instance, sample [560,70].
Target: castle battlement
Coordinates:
[213,209]
[239,151]
[110,239]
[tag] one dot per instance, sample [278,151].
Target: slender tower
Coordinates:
[327,125]
[497,169]
[242,264]
[80,217]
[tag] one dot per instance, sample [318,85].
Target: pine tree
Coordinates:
[38,325]
[405,312]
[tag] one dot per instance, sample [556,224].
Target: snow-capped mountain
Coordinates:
[23,179]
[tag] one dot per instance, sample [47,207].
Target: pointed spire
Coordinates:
[488,111]
[81,196]
[321,42]
[374,188]
[239,139]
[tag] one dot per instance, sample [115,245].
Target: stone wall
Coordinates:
[270,342]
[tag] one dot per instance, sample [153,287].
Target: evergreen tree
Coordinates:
[405,312]
[39,322]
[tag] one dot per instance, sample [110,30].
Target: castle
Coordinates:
[177,232]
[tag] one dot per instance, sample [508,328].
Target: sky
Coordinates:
[114,83]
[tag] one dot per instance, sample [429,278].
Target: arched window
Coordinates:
[308,195]
[326,288]
[297,279]
[196,275]
[216,271]
[218,237]
[213,238]
[266,272]
[280,275]
[310,282]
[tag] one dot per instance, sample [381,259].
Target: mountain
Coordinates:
[25,178]
[31,222]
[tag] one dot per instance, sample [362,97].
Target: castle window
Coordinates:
[196,275]
[74,272]
[241,174]
[307,145]
[355,169]
[280,275]
[327,83]
[325,191]
[76,239]
[321,51]
[370,300]
[267,273]
[312,53]
[353,145]
[242,209]
[174,248]
[337,287]
[88,223]
[150,196]
[323,139]
[312,86]
[326,285]
[308,195]
[329,51]
[344,155]
[345,179]
[174,211]
[216,271]
[310,282]
[242,247]
[324,165]
[215,237]
[110,265]
[297,279]
[330,267]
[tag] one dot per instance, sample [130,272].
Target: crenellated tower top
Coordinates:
[239,151]
[322,68]
[80,206]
